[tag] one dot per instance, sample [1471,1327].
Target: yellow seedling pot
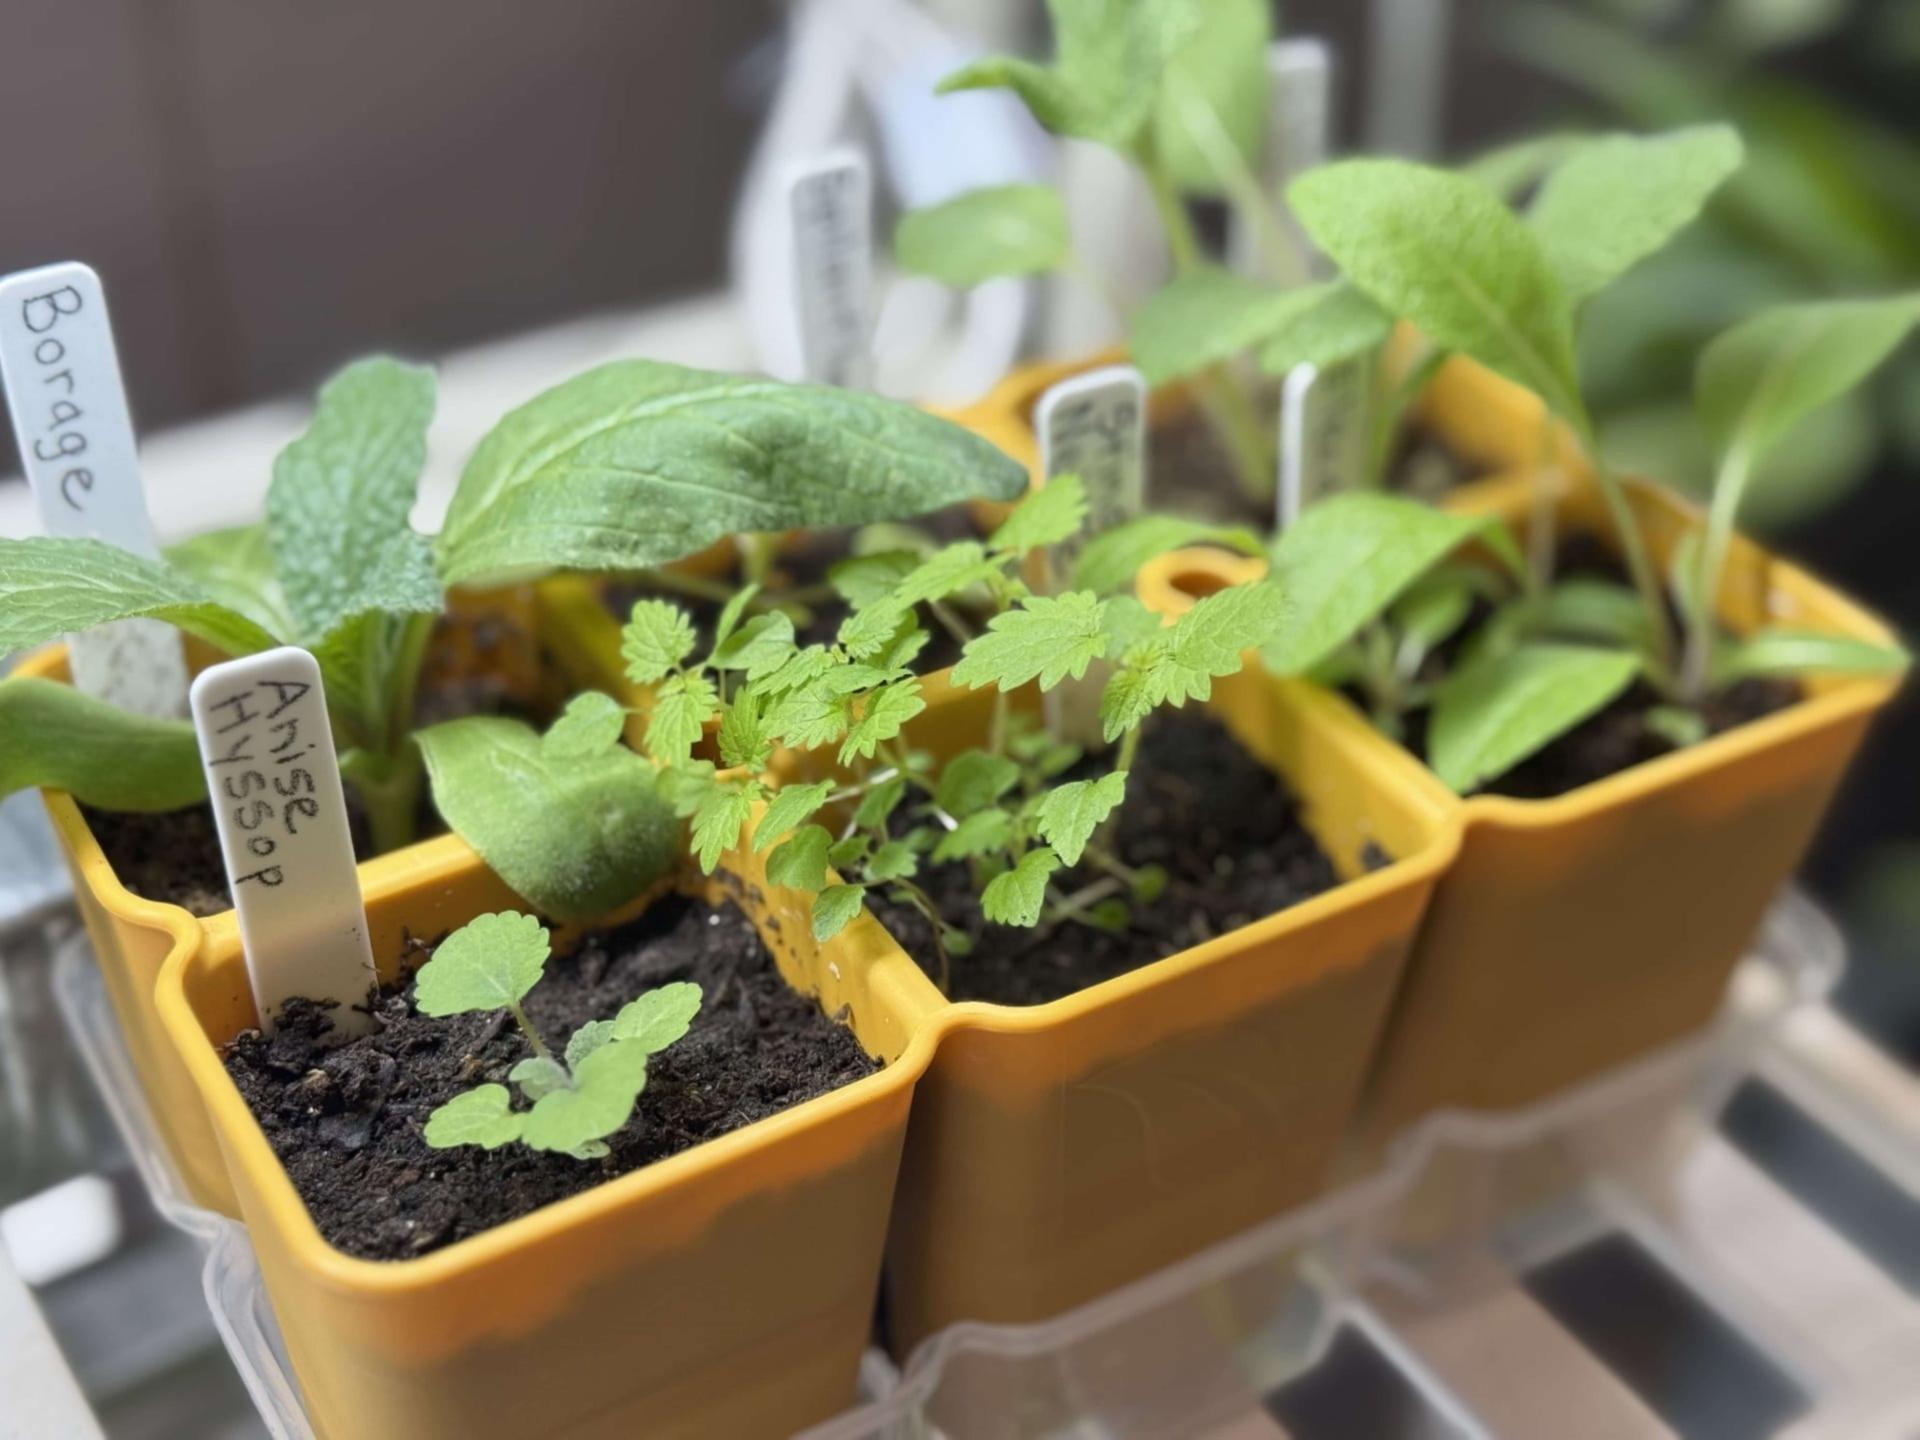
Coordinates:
[133,937]
[726,1291]
[1575,933]
[1060,1150]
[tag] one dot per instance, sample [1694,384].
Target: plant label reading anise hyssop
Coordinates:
[830,203]
[275,787]
[76,445]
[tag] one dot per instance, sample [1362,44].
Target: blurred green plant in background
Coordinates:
[1828,204]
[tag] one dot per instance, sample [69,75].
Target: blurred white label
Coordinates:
[830,202]
[1095,426]
[1323,435]
[275,786]
[70,418]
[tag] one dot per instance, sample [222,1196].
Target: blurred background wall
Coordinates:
[270,188]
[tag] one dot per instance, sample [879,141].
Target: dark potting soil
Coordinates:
[1191,472]
[801,566]
[173,856]
[346,1118]
[1617,737]
[1225,828]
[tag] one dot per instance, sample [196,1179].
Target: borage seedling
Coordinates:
[577,1099]
[631,465]
[889,808]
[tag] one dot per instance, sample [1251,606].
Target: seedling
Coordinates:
[996,808]
[631,465]
[578,1098]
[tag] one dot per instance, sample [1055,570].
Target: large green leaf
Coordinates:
[638,463]
[235,567]
[1346,559]
[1805,652]
[52,735]
[1441,250]
[1492,714]
[985,234]
[576,834]
[50,588]
[1340,324]
[1759,379]
[1616,200]
[1215,94]
[338,505]
[1209,315]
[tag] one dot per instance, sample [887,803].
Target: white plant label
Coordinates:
[1095,426]
[275,785]
[70,418]
[1299,135]
[1323,435]
[830,203]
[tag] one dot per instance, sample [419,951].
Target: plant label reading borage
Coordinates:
[76,443]
[830,203]
[275,787]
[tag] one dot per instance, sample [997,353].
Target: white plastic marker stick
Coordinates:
[830,202]
[1094,426]
[1299,135]
[262,726]
[1323,435]
[76,442]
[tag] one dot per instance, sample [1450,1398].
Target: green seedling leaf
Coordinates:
[1350,556]
[1614,201]
[591,725]
[800,861]
[1049,638]
[834,909]
[1070,813]
[483,1116]
[658,637]
[1131,693]
[235,568]
[760,647]
[894,860]
[639,462]
[1596,610]
[1491,715]
[946,572]
[810,719]
[1127,622]
[730,614]
[53,736]
[1210,125]
[1209,640]
[1433,608]
[605,1085]
[539,1075]
[1102,85]
[490,963]
[1209,315]
[879,803]
[798,670]
[658,1018]
[864,579]
[50,588]
[338,504]
[1759,379]
[718,822]
[973,780]
[1442,251]
[1340,324]
[587,1039]
[996,231]
[1113,558]
[980,833]
[684,786]
[577,834]
[744,739]
[1048,515]
[885,713]
[791,806]
[1509,170]
[851,852]
[1676,725]
[1805,652]
[1017,897]
[681,708]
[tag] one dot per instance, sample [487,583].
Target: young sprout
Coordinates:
[576,1099]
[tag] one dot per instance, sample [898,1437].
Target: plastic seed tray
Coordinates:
[1633,1258]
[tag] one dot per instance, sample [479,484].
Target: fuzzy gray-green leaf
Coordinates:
[489,963]
[984,234]
[53,736]
[659,1017]
[483,1116]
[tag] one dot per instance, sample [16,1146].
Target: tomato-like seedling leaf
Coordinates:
[834,909]
[590,726]
[1052,513]
[980,833]
[682,706]
[800,861]
[1018,896]
[1049,638]
[973,780]
[791,806]
[718,822]
[1070,813]
[882,716]
[657,638]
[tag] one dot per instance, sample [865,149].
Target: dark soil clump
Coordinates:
[346,1119]
[1225,828]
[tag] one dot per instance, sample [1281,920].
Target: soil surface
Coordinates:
[803,566]
[1424,466]
[1225,828]
[346,1119]
[173,856]
[1617,737]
